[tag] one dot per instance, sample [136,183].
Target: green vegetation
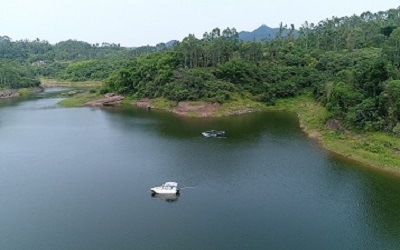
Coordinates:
[162,103]
[372,148]
[23,62]
[95,70]
[239,105]
[351,64]
[312,115]
[46,83]
[344,69]
[23,91]
[14,75]
[79,99]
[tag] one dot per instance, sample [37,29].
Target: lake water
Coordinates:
[79,178]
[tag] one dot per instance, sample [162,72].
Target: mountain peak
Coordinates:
[262,32]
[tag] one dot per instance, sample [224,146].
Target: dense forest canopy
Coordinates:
[15,75]
[68,60]
[350,64]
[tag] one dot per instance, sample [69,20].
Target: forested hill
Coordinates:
[23,61]
[262,33]
[350,64]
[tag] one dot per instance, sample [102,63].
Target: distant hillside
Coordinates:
[263,32]
[171,43]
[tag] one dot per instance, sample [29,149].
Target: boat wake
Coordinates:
[186,187]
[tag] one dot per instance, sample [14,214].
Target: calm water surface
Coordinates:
[79,178]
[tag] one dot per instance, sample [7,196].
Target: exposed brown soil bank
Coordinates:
[109,100]
[203,109]
[198,108]
[8,93]
[144,103]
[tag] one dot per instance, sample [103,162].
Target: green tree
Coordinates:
[391,50]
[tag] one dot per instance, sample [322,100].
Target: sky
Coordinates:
[134,23]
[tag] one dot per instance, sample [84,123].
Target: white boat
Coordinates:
[166,188]
[214,133]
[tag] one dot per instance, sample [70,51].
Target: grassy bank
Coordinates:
[48,83]
[376,149]
[238,105]
[80,99]
[164,104]
[75,98]
[233,107]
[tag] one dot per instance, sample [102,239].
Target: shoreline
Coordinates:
[375,150]
[51,82]
[312,121]
[200,108]
[12,93]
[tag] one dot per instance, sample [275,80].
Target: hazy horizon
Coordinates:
[140,23]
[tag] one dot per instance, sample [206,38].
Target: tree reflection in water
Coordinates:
[166,197]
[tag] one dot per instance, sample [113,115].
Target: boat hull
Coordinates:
[159,190]
[207,134]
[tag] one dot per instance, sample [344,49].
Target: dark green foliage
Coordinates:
[143,75]
[89,70]
[387,30]
[68,60]
[49,69]
[197,84]
[351,64]
[348,63]
[240,73]
[159,75]
[15,75]
[24,49]
[390,103]
[342,97]
[365,115]
[70,50]
[285,89]
[391,49]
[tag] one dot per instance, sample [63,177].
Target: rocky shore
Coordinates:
[10,93]
[109,100]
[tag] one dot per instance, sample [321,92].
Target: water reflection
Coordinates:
[381,197]
[47,93]
[166,197]
[170,126]
[75,177]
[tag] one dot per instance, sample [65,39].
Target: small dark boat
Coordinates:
[214,133]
